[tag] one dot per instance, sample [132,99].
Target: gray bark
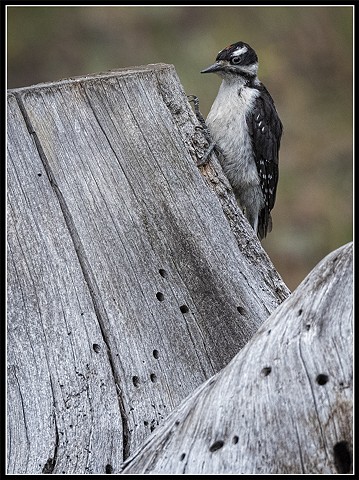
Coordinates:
[127,285]
[284,404]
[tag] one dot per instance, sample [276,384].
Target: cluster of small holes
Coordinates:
[160,296]
[322,379]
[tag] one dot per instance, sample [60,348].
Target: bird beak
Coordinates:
[216,67]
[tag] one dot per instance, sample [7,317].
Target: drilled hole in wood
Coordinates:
[39,174]
[241,310]
[300,311]
[108,468]
[182,457]
[307,327]
[96,347]
[160,296]
[322,379]
[184,308]
[266,371]
[135,381]
[163,273]
[153,377]
[216,445]
[155,354]
[342,457]
[145,422]
[235,439]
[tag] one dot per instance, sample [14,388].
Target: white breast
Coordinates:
[227,123]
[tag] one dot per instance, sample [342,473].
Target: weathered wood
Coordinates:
[128,287]
[62,398]
[248,243]
[284,404]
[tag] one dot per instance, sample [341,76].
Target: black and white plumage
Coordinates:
[245,125]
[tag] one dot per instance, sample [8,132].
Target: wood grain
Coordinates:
[62,399]
[284,404]
[128,286]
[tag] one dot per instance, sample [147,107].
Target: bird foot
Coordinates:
[205,157]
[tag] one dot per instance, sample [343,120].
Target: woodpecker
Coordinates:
[243,122]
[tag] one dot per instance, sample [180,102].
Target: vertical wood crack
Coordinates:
[94,291]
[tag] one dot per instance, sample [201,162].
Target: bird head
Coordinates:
[238,59]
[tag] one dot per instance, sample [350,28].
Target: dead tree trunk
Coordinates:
[284,404]
[128,287]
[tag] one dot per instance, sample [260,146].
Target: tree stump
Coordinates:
[130,281]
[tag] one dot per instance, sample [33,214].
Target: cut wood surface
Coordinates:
[284,404]
[130,281]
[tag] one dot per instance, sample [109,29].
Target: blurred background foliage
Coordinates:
[305,60]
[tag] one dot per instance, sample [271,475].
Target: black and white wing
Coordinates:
[265,129]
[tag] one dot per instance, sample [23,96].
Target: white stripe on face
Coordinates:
[240,50]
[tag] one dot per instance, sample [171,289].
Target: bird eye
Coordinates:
[235,60]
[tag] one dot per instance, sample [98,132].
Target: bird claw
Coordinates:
[205,157]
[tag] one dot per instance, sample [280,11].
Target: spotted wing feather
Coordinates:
[265,129]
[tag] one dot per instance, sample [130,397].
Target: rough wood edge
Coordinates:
[117,72]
